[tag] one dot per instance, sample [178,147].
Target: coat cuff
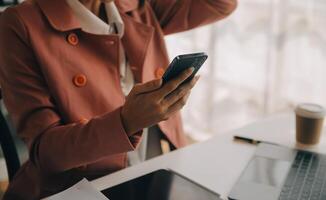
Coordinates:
[134,137]
[117,131]
[126,140]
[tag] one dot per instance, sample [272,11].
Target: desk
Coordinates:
[216,163]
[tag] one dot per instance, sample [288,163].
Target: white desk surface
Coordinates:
[218,162]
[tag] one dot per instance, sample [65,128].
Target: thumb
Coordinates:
[147,87]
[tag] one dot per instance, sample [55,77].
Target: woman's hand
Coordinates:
[149,103]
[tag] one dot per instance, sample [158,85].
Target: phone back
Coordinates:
[183,62]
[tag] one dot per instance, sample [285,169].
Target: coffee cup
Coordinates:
[309,123]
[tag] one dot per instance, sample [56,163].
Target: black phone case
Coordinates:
[183,62]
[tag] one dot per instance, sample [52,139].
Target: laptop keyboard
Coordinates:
[306,178]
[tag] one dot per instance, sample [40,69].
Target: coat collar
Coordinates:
[127,5]
[61,16]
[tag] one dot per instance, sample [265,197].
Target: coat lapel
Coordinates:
[127,5]
[62,18]
[136,41]
[59,14]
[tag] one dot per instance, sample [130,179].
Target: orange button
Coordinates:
[159,72]
[73,39]
[83,121]
[80,80]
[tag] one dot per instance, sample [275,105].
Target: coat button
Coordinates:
[83,121]
[159,72]
[80,80]
[73,39]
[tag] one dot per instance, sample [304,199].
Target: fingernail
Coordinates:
[192,69]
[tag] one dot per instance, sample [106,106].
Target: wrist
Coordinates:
[126,122]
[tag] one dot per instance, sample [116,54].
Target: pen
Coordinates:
[250,141]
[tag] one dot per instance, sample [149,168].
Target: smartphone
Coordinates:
[183,62]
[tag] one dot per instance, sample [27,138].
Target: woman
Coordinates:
[65,69]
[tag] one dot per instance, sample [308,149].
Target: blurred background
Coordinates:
[265,58]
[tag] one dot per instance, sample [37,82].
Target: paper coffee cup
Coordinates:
[309,123]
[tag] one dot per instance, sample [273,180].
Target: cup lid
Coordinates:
[310,110]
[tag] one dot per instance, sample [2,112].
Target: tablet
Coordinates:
[160,185]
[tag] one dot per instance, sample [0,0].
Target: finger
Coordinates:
[180,92]
[147,87]
[178,105]
[174,84]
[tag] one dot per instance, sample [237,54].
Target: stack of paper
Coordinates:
[83,190]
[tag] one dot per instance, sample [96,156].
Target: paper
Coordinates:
[83,190]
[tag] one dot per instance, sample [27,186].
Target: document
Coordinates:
[83,190]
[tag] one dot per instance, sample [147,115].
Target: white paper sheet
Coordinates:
[83,190]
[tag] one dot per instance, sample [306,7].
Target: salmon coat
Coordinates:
[62,89]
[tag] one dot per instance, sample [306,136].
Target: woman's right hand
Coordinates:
[149,103]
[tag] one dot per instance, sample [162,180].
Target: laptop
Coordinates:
[160,185]
[277,172]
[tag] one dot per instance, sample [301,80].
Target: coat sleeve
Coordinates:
[53,146]
[181,15]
